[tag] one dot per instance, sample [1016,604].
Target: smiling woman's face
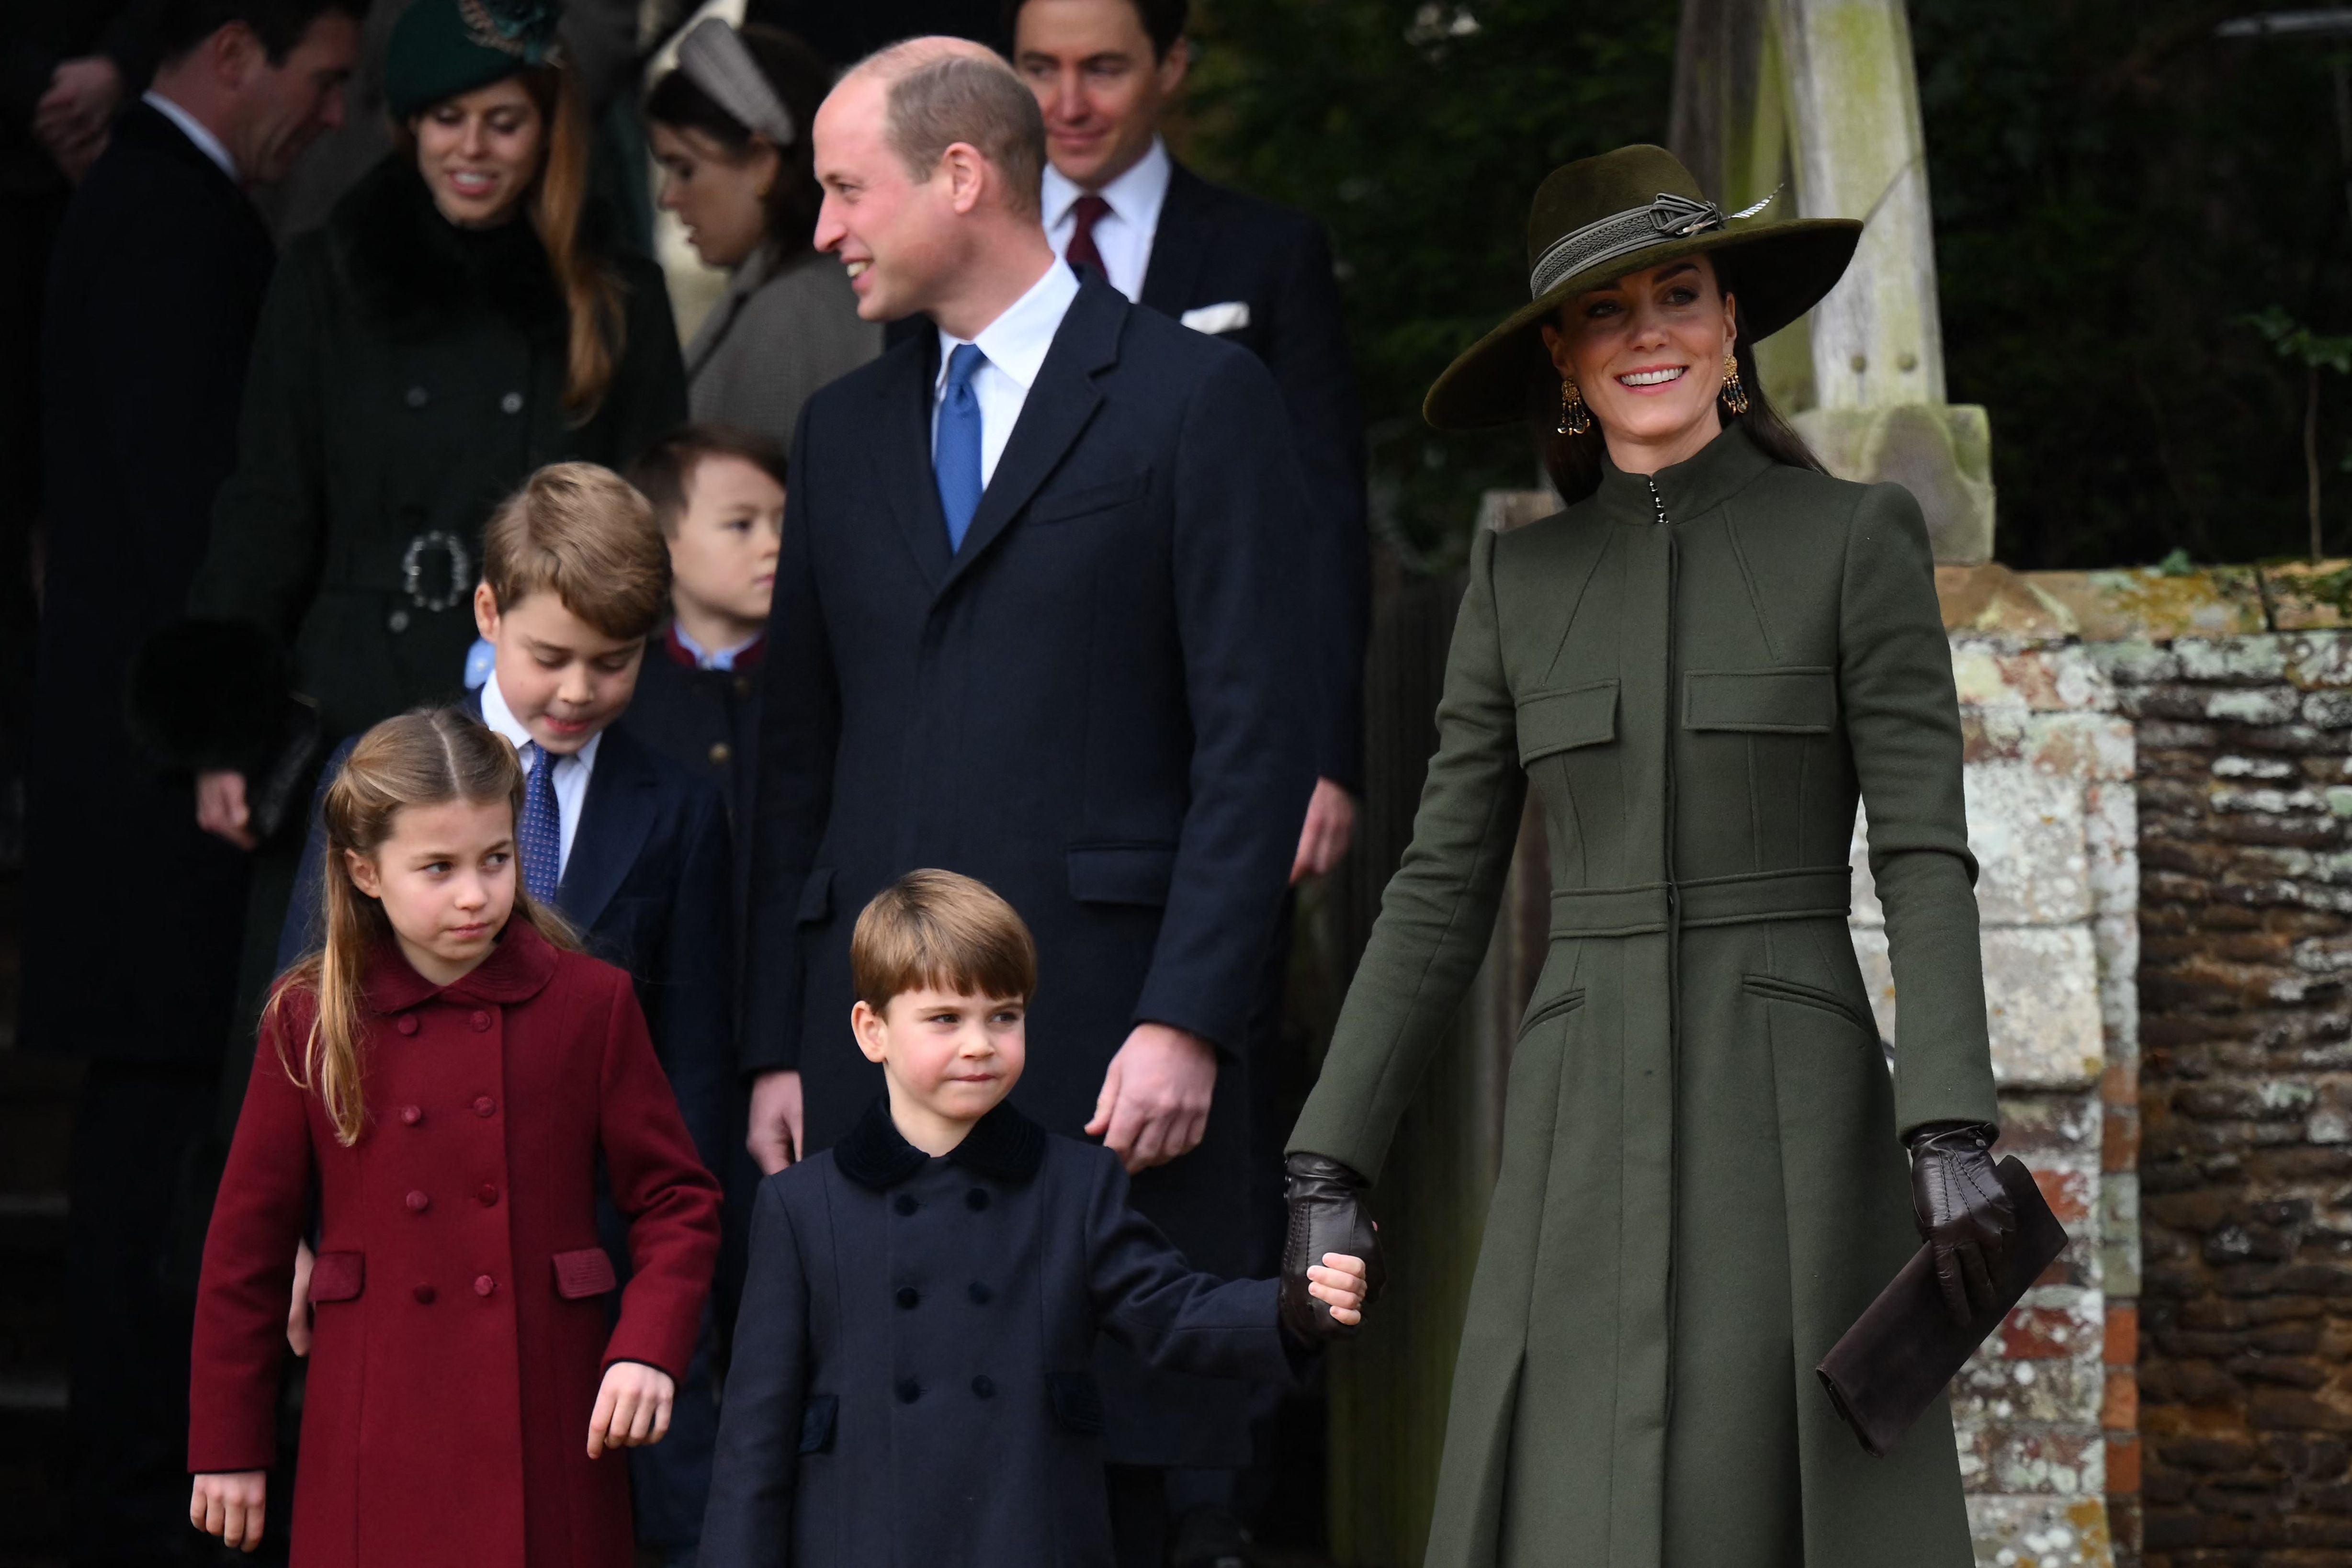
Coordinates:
[1647,353]
[480,150]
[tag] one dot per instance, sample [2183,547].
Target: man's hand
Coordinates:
[75,114]
[1330,828]
[1154,1104]
[229,1505]
[632,1407]
[778,1127]
[297,1310]
[220,806]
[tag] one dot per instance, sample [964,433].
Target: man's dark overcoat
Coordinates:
[156,287]
[1089,707]
[911,1379]
[1698,674]
[462,1329]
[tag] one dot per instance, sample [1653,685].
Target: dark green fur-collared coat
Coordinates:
[1702,1181]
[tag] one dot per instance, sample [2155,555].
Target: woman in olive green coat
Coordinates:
[1697,666]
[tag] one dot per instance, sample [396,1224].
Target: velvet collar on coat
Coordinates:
[1721,468]
[518,969]
[1004,1144]
[415,272]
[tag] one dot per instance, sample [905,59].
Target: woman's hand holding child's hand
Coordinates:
[1338,1283]
[229,1505]
[632,1409]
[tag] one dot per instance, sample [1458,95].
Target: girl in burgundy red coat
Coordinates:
[443,1077]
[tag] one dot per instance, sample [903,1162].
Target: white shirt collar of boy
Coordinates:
[710,658]
[571,772]
[1014,346]
[1123,234]
[195,131]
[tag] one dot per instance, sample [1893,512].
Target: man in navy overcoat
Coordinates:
[1038,620]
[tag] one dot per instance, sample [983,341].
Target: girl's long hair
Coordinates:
[428,758]
[1574,462]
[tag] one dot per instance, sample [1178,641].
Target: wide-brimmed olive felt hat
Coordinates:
[1628,211]
[440,48]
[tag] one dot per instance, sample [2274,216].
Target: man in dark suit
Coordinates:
[1031,624]
[155,287]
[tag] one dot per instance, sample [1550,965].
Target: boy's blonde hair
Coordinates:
[580,532]
[949,932]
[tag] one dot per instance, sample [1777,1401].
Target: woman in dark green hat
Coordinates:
[458,322]
[1698,666]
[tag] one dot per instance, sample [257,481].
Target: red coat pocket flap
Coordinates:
[337,1276]
[587,1273]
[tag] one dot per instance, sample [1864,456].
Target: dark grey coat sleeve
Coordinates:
[748,1521]
[1151,1300]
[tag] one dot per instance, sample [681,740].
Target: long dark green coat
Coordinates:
[407,375]
[1701,1183]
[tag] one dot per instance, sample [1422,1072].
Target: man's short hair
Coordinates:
[583,533]
[278,23]
[664,475]
[947,932]
[939,93]
[1163,21]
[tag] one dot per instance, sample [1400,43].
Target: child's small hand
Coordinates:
[298,1310]
[1338,1283]
[632,1409]
[229,1505]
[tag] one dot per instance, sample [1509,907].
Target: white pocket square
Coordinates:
[1229,316]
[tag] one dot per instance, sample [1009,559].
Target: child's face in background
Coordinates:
[723,554]
[564,679]
[950,1059]
[446,877]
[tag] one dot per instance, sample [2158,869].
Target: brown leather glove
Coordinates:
[1326,1215]
[1963,1213]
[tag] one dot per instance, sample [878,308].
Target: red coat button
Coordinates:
[484,1284]
[407,1024]
[489,1195]
[481,1020]
[424,1295]
[418,1203]
[411,1114]
[485,1106]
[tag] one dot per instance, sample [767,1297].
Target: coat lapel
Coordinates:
[1055,411]
[614,820]
[902,456]
[1179,244]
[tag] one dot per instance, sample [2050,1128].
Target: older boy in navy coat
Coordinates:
[628,845]
[911,1378]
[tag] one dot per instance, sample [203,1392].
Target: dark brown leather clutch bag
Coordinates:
[1905,1349]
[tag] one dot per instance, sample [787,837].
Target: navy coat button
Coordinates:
[407,1024]
[424,1294]
[485,1106]
[719,753]
[976,1199]
[905,1203]
[511,402]
[909,1391]
[481,1020]
[418,1203]
[489,1195]
[984,1386]
[417,397]
[484,1284]
[411,1114]
[398,621]
[910,1297]
[980,1294]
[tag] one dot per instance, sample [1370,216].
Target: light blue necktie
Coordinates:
[955,452]
[542,828]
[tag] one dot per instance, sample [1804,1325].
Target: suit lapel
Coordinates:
[903,454]
[1055,411]
[614,821]
[1180,244]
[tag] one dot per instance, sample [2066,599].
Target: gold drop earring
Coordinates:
[1735,395]
[1575,419]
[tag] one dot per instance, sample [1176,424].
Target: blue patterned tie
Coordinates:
[955,455]
[541,829]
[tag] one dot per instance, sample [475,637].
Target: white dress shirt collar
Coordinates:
[571,776]
[709,658]
[1014,347]
[195,131]
[1125,234]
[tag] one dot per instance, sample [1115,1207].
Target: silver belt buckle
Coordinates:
[412,569]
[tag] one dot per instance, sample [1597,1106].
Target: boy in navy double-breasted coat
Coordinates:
[910,1381]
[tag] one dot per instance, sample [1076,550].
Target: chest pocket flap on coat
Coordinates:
[1801,699]
[1093,498]
[1563,720]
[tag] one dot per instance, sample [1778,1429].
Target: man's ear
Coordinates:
[363,874]
[486,612]
[1175,65]
[871,1029]
[967,174]
[235,53]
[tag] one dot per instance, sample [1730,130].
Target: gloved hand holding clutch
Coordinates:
[1326,1216]
[1963,1213]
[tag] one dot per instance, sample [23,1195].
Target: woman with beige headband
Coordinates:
[729,129]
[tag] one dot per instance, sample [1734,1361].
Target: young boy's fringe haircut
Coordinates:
[664,474]
[938,929]
[428,758]
[583,533]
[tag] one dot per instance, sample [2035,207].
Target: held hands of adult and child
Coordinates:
[633,1411]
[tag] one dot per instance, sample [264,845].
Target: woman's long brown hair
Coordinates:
[428,758]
